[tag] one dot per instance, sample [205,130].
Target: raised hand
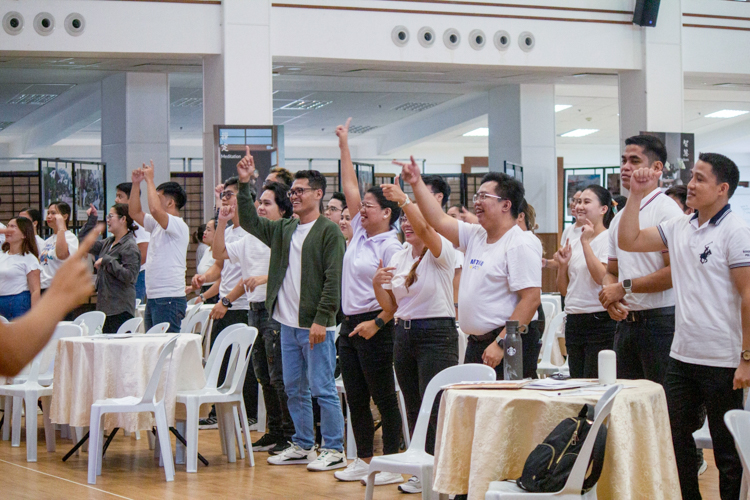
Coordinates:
[137,176]
[148,170]
[467,216]
[60,223]
[409,171]
[226,213]
[587,231]
[564,254]
[641,178]
[72,283]
[217,193]
[342,131]
[92,211]
[246,166]
[393,192]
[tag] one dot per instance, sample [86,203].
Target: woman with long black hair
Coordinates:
[19,269]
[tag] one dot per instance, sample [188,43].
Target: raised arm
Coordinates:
[562,257]
[219,248]
[426,233]
[597,269]
[349,183]
[134,203]
[631,237]
[383,276]
[92,219]
[154,203]
[428,205]
[259,227]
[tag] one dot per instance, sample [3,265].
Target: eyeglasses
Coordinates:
[402,220]
[111,216]
[482,196]
[298,191]
[227,194]
[333,209]
[368,206]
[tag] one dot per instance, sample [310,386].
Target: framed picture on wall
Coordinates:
[89,181]
[56,178]
[577,182]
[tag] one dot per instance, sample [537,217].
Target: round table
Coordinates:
[102,366]
[486,435]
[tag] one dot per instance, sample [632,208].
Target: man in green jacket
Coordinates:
[311,246]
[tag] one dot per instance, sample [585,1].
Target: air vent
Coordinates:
[188,102]
[415,106]
[299,104]
[32,99]
[4,125]
[731,85]
[361,129]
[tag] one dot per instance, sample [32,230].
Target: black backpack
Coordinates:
[549,465]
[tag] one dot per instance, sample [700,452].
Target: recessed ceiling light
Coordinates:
[299,104]
[32,99]
[580,132]
[561,107]
[479,132]
[727,113]
[294,69]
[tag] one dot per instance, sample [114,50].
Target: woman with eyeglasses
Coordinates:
[366,335]
[19,269]
[208,292]
[346,225]
[417,285]
[118,262]
[582,265]
[335,207]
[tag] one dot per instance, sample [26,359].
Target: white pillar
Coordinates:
[237,85]
[522,130]
[135,126]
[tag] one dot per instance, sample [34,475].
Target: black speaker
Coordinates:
[645,12]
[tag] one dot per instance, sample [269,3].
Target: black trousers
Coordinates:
[367,370]
[250,391]
[418,355]
[688,386]
[114,322]
[530,342]
[585,336]
[643,348]
[269,374]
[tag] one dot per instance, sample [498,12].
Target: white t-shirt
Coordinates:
[431,296]
[571,232]
[708,323]
[165,263]
[13,271]
[458,258]
[361,261]
[286,311]
[537,244]
[39,243]
[48,257]
[141,236]
[205,264]
[253,257]
[2,236]
[583,292]
[492,275]
[231,273]
[656,208]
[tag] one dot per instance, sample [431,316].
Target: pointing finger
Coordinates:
[88,241]
[247,150]
[348,121]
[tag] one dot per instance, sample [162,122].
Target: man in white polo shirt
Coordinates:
[501,279]
[637,289]
[710,358]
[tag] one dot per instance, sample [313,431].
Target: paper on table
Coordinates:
[550,384]
[112,336]
[489,384]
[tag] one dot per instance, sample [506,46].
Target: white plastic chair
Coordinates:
[94,321]
[130,326]
[702,436]
[3,319]
[463,341]
[137,303]
[238,339]
[159,328]
[192,301]
[415,460]
[545,366]
[197,323]
[573,489]
[134,404]
[31,391]
[554,302]
[738,423]
[549,313]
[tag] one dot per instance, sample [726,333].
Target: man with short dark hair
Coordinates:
[335,207]
[710,356]
[679,194]
[122,195]
[439,188]
[166,261]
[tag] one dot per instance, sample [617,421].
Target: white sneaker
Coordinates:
[293,455]
[355,471]
[382,478]
[703,468]
[413,485]
[328,460]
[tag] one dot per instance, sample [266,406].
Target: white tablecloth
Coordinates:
[91,368]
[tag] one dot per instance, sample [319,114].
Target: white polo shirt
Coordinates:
[583,292]
[492,275]
[231,273]
[573,232]
[431,296]
[167,252]
[253,258]
[361,260]
[656,207]
[708,325]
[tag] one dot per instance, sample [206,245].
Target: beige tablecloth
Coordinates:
[91,368]
[486,435]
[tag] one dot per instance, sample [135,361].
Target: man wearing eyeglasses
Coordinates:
[335,207]
[311,246]
[501,278]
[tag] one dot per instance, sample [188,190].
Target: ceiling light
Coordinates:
[299,104]
[479,132]
[727,113]
[580,132]
[32,99]
[415,106]
[361,129]
[562,107]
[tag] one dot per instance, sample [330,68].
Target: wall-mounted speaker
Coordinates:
[75,24]
[502,40]
[400,35]
[13,23]
[451,38]
[426,36]
[44,23]
[477,39]
[526,41]
[646,12]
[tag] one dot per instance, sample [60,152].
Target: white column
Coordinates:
[135,126]
[522,130]
[237,85]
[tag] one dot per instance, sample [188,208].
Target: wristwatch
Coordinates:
[745,355]
[627,285]
[203,299]
[225,302]
[379,323]
[500,341]
[404,203]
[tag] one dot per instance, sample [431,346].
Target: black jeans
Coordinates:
[643,347]
[232,317]
[418,355]
[530,344]
[269,373]
[688,386]
[115,321]
[367,370]
[585,336]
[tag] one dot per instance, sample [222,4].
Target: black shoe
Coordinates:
[208,423]
[266,442]
[280,446]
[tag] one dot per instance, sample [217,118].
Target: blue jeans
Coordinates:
[140,286]
[167,309]
[309,372]
[13,306]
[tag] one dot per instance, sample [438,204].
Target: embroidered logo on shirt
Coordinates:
[475,263]
[705,254]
